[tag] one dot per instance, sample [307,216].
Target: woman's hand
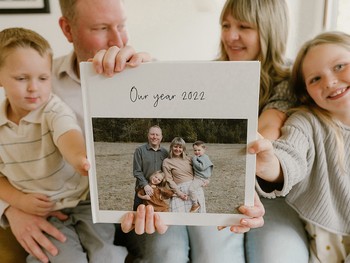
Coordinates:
[182,195]
[146,221]
[255,213]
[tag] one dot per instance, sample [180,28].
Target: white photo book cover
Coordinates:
[174,135]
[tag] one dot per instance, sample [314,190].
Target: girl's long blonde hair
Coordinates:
[304,100]
[271,18]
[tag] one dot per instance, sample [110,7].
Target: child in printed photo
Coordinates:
[160,193]
[203,168]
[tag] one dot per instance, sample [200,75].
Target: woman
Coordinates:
[178,171]
[258,30]
[250,30]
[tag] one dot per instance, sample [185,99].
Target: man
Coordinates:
[96,28]
[91,26]
[148,158]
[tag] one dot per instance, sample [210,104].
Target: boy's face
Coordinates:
[198,150]
[26,78]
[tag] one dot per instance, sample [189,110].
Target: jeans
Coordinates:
[195,244]
[281,239]
[86,241]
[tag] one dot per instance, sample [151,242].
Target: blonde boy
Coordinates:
[42,150]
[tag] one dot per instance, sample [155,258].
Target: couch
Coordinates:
[10,250]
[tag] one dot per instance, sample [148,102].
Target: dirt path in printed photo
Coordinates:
[116,183]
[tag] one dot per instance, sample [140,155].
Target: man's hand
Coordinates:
[28,230]
[115,59]
[148,190]
[146,221]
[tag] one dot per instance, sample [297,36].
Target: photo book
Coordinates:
[214,102]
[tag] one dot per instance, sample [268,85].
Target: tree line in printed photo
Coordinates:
[134,129]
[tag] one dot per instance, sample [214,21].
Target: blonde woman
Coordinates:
[258,30]
[178,171]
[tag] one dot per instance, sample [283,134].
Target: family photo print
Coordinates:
[209,108]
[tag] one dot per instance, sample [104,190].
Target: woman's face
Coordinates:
[240,39]
[177,150]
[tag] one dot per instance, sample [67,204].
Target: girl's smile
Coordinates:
[338,93]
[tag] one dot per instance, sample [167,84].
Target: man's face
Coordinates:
[98,25]
[154,137]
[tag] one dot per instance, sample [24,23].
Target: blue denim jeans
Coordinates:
[281,239]
[195,244]
[86,241]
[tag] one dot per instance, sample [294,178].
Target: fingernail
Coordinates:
[141,208]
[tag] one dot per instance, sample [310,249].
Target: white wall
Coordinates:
[173,29]
[45,24]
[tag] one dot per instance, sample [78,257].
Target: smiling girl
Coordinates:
[311,159]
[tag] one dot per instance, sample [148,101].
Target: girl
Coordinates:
[160,193]
[311,159]
[258,30]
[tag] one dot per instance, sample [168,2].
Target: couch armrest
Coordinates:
[10,250]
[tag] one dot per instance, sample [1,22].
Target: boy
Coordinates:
[203,169]
[42,150]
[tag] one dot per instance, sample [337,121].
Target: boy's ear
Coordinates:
[66,28]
